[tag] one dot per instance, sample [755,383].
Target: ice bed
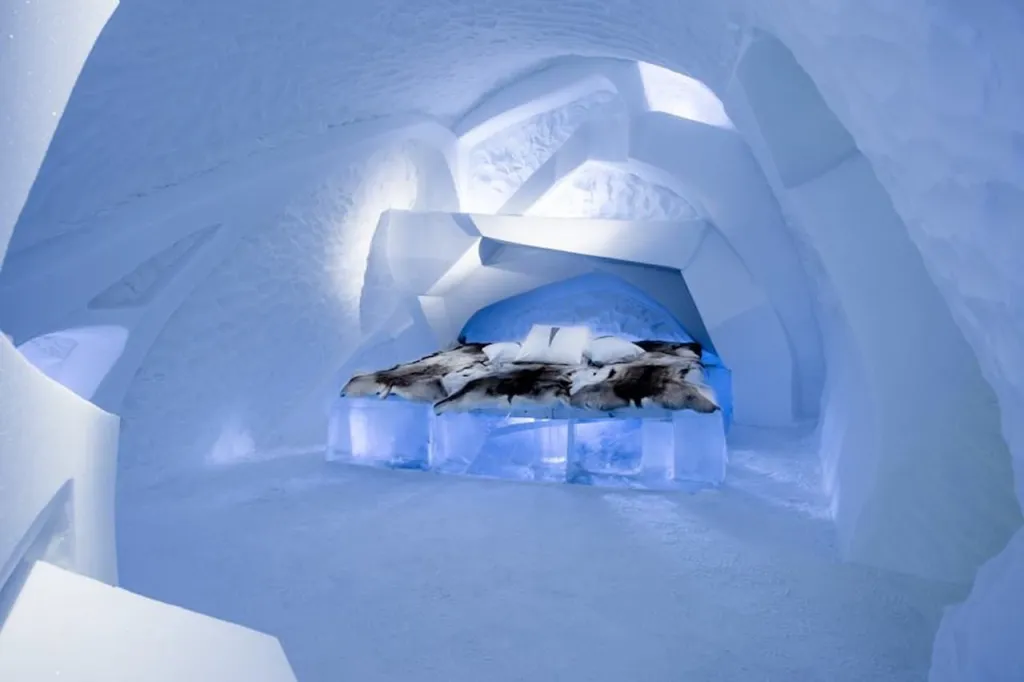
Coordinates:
[560,406]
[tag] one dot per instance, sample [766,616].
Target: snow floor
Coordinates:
[376,575]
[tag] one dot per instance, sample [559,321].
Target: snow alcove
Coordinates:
[213,217]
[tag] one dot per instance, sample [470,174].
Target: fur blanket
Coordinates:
[665,375]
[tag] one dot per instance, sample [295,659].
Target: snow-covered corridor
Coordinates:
[384,575]
[242,204]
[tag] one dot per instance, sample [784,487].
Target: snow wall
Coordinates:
[912,185]
[58,453]
[58,462]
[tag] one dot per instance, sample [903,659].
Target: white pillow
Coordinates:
[604,350]
[555,345]
[502,352]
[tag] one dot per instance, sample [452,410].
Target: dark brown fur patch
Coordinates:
[421,379]
[671,347]
[645,380]
[530,382]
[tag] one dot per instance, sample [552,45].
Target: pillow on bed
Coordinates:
[605,350]
[555,345]
[499,353]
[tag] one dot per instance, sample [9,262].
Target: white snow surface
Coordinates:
[44,638]
[388,575]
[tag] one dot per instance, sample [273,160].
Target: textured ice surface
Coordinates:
[594,191]
[499,165]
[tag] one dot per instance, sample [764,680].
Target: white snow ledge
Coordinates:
[58,462]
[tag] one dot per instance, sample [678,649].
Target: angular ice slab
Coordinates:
[391,432]
[640,448]
[70,628]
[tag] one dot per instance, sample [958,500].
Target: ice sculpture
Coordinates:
[654,449]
